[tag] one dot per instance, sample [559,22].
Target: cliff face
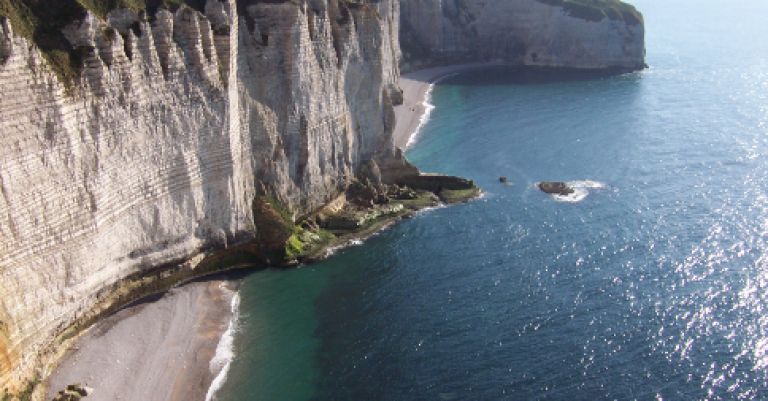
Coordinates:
[155,152]
[545,33]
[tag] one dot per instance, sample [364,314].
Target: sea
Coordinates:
[650,282]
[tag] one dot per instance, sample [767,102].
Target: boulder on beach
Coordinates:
[73,392]
[555,187]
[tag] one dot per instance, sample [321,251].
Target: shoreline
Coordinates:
[167,348]
[417,86]
[178,345]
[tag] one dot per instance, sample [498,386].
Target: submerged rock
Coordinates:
[555,187]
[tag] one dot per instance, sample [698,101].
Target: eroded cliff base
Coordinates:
[372,202]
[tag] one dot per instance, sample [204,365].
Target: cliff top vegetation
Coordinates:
[41,22]
[597,10]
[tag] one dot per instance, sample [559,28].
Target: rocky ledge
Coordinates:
[370,203]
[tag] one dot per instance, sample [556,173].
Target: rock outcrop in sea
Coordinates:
[555,187]
[144,146]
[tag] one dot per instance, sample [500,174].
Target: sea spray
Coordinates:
[224,351]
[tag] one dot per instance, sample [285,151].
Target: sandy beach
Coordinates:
[416,86]
[154,351]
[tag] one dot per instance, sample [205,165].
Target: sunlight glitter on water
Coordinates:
[722,300]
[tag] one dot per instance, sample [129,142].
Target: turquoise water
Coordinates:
[651,287]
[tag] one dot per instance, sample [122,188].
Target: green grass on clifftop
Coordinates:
[102,7]
[41,22]
[597,10]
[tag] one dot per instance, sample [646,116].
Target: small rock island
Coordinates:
[555,187]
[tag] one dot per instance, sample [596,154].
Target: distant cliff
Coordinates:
[599,34]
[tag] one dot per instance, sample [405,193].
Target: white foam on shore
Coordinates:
[580,191]
[483,195]
[424,119]
[428,108]
[426,210]
[353,242]
[225,351]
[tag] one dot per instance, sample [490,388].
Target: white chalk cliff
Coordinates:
[157,152]
[520,32]
[153,154]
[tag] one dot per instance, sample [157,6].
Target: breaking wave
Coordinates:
[225,351]
[428,108]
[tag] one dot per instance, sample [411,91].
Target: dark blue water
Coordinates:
[652,287]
